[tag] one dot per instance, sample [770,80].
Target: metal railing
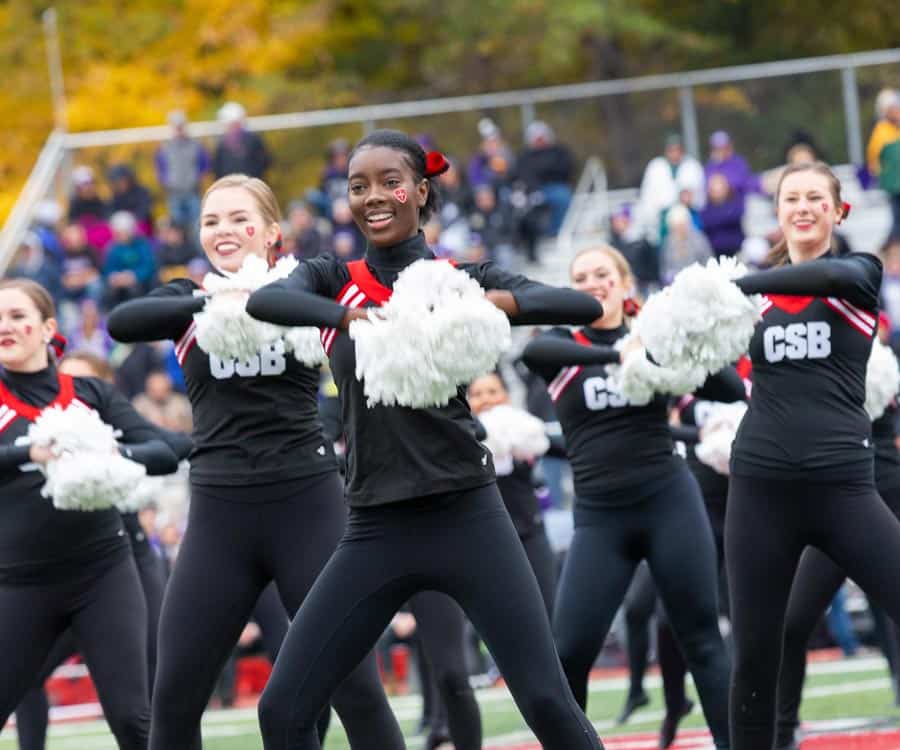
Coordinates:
[526,100]
[37,187]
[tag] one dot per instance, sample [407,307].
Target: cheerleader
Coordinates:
[818,580]
[64,569]
[636,500]
[31,713]
[425,512]
[802,469]
[266,500]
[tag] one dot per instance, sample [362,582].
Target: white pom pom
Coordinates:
[639,379]
[224,329]
[514,432]
[88,480]
[882,379]
[306,345]
[701,320]
[436,332]
[718,435]
[86,472]
[147,491]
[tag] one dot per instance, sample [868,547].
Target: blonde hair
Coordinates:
[778,255]
[619,261]
[266,203]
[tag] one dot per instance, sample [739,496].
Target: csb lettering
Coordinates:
[269,361]
[797,341]
[600,393]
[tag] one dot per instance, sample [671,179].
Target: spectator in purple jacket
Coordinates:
[723,160]
[494,161]
[722,215]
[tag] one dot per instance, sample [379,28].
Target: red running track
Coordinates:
[888,739]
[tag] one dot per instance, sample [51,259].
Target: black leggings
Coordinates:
[108,618]
[815,584]
[462,544]
[230,553]
[670,530]
[769,524]
[31,713]
[642,601]
[543,562]
[441,626]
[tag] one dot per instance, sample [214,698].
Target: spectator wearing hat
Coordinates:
[88,208]
[722,217]
[181,164]
[47,216]
[129,195]
[684,244]
[547,168]
[666,178]
[239,151]
[130,268]
[493,163]
[723,160]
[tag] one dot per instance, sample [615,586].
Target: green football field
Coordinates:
[849,689]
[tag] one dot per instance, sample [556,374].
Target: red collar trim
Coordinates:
[63,398]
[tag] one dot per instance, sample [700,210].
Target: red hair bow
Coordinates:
[845,209]
[435,164]
[58,343]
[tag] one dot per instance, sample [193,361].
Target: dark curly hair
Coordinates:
[415,158]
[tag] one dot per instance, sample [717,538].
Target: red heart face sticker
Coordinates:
[251,231]
[401,195]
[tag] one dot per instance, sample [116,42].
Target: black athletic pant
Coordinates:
[271,618]
[32,711]
[543,562]
[462,544]
[230,553]
[641,601]
[815,584]
[669,529]
[108,617]
[441,627]
[769,524]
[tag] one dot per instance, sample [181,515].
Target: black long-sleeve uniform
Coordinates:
[818,579]
[802,467]
[61,569]
[425,515]
[266,504]
[635,500]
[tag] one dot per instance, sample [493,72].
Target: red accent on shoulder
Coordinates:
[744,367]
[63,398]
[368,284]
[581,338]
[790,303]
